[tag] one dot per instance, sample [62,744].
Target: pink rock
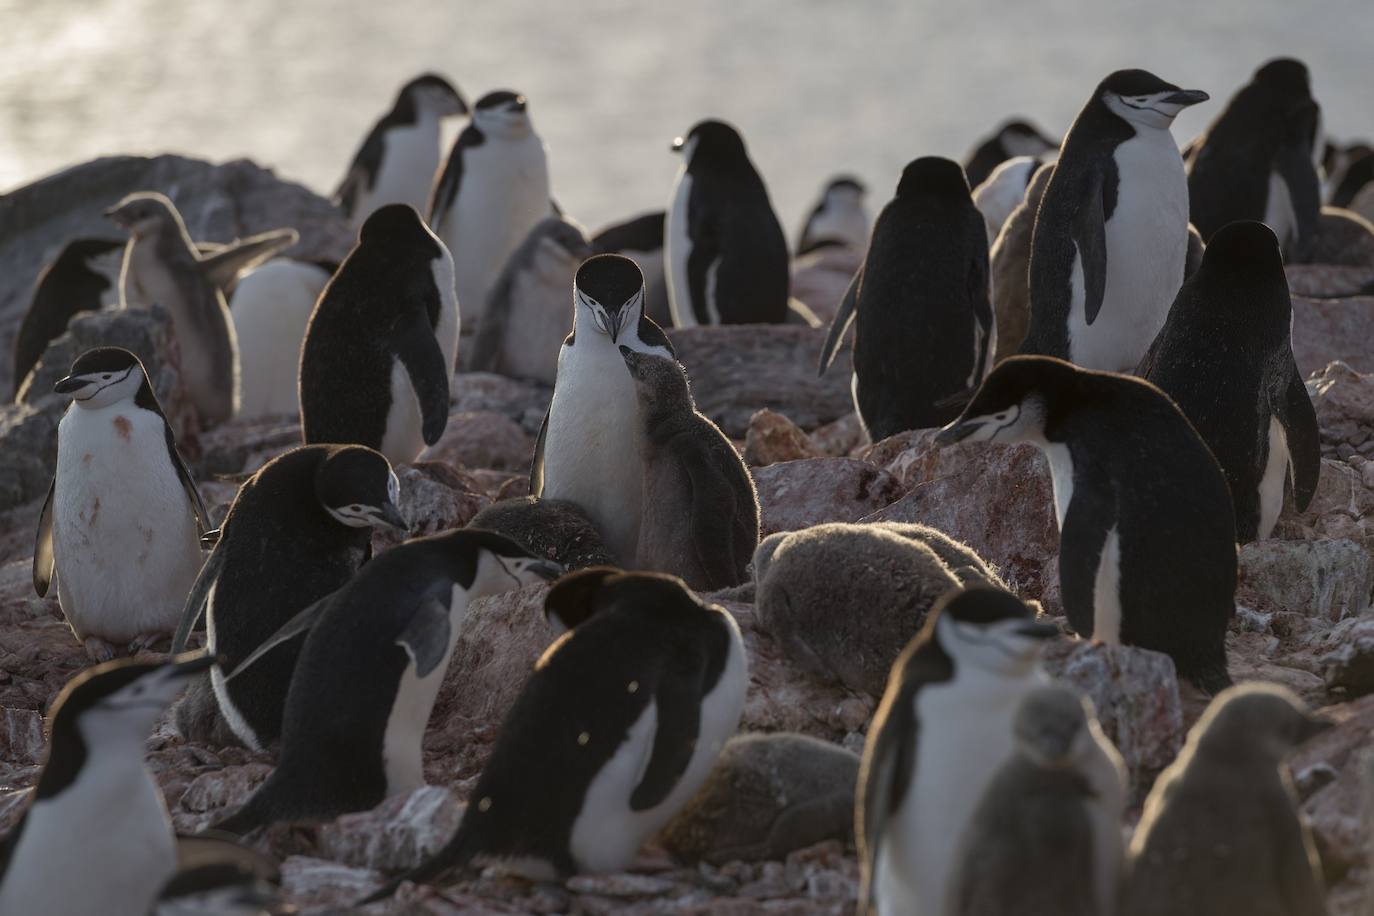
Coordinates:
[772,438]
[820,278]
[1330,579]
[483,440]
[400,833]
[1334,809]
[797,494]
[840,437]
[1341,508]
[1333,329]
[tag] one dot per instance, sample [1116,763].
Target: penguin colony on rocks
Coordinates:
[1056,294]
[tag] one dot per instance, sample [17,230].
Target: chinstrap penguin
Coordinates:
[700,517]
[378,646]
[924,324]
[271,306]
[1014,138]
[641,240]
[1147,534]
[928,762]
[725,253]
[614,731]
[120,529]
[839,218]
[379,348]
[1111,235]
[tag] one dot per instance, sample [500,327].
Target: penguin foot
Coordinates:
[98,649]
[145,641]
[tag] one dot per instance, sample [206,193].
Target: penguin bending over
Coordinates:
[95,836]
[379,348]
[162,266]
[925,325]
[1111,236]
[641,240]
[379,646]
[701,512]
[1225,357]
[120,529]
[271,306]
[928,762]
[1147,534]
[588,450]
[839,218]
[1014,138]
[399,157]
[298,530]
[612,734]
[725,253]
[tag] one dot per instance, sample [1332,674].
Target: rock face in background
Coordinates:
[797,494]
[1333,329]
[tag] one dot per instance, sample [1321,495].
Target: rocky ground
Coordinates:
[1304,620]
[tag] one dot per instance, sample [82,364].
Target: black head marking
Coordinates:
[1244,244]
[1285,72]
[435,81]
[105,359]
[492,541]
[982,605]
[353,474]
[932,174]
[572,599]
[396,224]
[718,144]
[1018,376]
[500,99]
[610,279]
[1023,129]
[643,233]
[846,181]
[1135,82]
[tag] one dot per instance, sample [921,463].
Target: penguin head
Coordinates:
[118,702]
[660,381]
[502,564]
[103,376]
[609,291]
[596,590]
[393,225]
[933,175]
[1051,726]
[357,486]
[1021,138]
[560,244]
[1286,74]
[990,630]
[710,142]
[144,214]
[432,93]
[503,114]
[1141,98]
[844,191]
[1255,720]
[1012,403]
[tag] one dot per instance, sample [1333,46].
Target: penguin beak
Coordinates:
[1034,629]
[955,432]
[677,144]
[393,517]
[547,570]
[520,104]
[70,385]
[1186,97]
[630,356]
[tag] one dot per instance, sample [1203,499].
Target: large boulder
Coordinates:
[1334,810]
[806,492]
[1343,507]
[1330,579]
[520,400]
[1343,237]
[820,278]
[1344,401]
[1333,329]
[483,439]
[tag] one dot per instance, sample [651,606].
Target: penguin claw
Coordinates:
[98,649]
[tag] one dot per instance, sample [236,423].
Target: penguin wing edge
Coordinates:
[221,267]
[188,483]
[843,319]
[294,627]
[537,461]
[43,558]
[419,351]
[199,599]
[677,699]
[1083,535]
[1090,238]
[426,637]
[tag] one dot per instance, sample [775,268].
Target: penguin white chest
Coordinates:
[409,161]
[125,541]
[270,308]
[1279,214]
[1271,484]
[1146,244]
[146,279]
[102,845]
[404,438]
[677,249]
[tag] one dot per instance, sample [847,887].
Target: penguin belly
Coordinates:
[592,449]
[1107,592]
[404,437]
[538,322]
[409,160]
[270,308]
[678,248]
[1147,243]
[125,541]
[1279,214]
[102,845]
[1271,484]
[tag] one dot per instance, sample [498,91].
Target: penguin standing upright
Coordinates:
[1111,236]
[928,761]
[493,189]
[80,279]
[701,512]
[379,348]
[725,253]
[839,218]
[1005,190]
[271,307]
[1225,357]
[379,648]
[588,451]
[95,836]
[615,730]
[1255,161]
[399,157]
[1147,535]
[641,240]
[120,529]
[162,266]
[1014,138]
[925,325]
[1221,831]
[297,530]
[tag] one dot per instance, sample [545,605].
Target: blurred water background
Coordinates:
[816,86]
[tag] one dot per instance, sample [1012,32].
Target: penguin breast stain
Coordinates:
[123,427]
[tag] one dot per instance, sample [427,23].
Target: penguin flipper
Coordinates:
[198,600]
[221,267]
[1083,534]
[677,700]
[537,462]
[426,637]
[188,483]
[1090,238]
[1299,420]
[884,775]
[713,499]
[43,559]
[703,264]
[843,319]
[294,627]
[419,352]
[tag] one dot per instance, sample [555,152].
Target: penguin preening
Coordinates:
[1225,357]
[1147,534]
[163,266]
[399,157]
[724,251]
[1111,235]
[1255,161]
[614,731]
[839,218]
[1014,138]
[588,451]
[95,836]
[928,760]
[298,530]
[379,348]
[120,529]
[271,306]
[921,304]
[378,647]
[84,277]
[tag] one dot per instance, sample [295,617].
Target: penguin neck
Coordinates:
[665,417]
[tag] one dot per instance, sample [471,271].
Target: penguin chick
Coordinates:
[1221,831]
[162,266]
[1004,190]
[554,529]
[95,836]
[701,512]
[1009,262]
[120,529]
[1049,819]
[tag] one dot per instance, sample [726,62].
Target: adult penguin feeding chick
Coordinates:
[921,304]
[1111,236]
[1147,533]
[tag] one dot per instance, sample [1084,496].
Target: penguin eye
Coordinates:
[356,507]
[108,375]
